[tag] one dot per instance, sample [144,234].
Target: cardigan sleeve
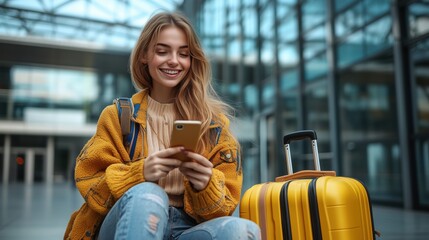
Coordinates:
[222,194]
[103,169]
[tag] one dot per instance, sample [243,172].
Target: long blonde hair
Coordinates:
[195,96]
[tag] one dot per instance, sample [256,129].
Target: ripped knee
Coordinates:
[152,223]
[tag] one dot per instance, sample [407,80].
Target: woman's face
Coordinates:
[168,62]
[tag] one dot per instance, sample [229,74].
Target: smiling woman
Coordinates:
[155,195]
[168,62]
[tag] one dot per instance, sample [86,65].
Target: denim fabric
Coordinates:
[143,213]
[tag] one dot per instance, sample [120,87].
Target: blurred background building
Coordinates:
[356,71]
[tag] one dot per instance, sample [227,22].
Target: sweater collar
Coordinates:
[141,98]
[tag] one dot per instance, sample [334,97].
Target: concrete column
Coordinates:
[29,166]
[6,159]
[49,166]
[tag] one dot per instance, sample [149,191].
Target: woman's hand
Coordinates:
[159,164]
[198,172]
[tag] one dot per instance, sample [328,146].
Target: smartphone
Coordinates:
[185,133]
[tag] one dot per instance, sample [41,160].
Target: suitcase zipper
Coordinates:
[286,229]
[314,211]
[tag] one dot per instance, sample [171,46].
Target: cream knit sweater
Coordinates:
[160,117]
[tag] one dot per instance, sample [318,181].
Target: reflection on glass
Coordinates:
[420,59]
[314,41]
[418,19]
[53,86]
[250,23]
[349,20]
[289,96]
[288,26]
[378,35]
[234,50]
[267,22]
[316,67]
[317,118]
[375,8]
[351,50]
[340,4]
[250,52]
[314,12]
[268,93]
[213,19]
[365,43]
[423,171]
[367,112]
[360,13]
[267,53]
[420,56]
[288,55]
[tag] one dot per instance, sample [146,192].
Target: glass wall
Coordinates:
[420,73]
[299,55]
[356,71]
[57,106]
[369,126]
[43,94]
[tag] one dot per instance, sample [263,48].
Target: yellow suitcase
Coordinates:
[309,204]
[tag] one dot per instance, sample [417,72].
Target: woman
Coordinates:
[154,196]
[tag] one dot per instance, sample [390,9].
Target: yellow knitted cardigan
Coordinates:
[104,173]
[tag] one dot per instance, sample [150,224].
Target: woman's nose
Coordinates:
[173,61]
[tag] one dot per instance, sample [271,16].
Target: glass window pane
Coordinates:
[314,12]
[368,120]
[234,50]
[250,52]
[340,4]
[267,53]
[418,19]
[38,96]
[250,23]
[420,57]
[378,36]
[289,80]
[288,55]
[314,42]
[351,50]
[317,117]
[316,67]
[350,20]
[289,86]
[374,8]
[267,22]
[41,85]
[423,171]
[268,93]
[288,28]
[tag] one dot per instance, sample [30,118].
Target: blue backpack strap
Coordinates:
[130,129]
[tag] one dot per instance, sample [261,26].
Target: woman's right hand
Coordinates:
[159,164]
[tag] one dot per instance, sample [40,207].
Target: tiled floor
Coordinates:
[42,212]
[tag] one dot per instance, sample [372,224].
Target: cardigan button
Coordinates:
[88,233]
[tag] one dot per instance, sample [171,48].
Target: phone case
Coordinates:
[185,133]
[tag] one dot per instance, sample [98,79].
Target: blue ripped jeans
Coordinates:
[143,213]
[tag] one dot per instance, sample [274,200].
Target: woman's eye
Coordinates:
[184,54]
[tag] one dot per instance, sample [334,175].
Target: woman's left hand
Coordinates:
[198,171]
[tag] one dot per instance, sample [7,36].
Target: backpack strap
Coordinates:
[130,129]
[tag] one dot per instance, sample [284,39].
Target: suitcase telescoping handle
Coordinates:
[301,135]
